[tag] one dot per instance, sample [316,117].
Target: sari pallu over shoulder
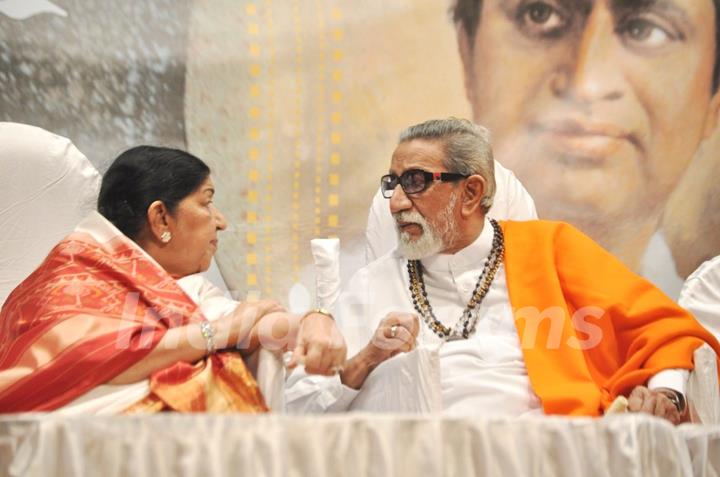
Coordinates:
[96,306]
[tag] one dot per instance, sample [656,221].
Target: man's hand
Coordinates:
[657,403]
[320,345]
[395,334]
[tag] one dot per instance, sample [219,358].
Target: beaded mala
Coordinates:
[465,326]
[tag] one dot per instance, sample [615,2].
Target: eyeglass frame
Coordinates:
[429,178]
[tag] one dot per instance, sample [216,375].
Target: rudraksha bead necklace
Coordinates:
[465,326]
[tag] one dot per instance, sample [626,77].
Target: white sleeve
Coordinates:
[700,295]
[512,201]
[214,303]
[675,379]
[311,394]
[380,235]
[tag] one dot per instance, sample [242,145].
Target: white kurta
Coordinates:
[486,371]
[484,374]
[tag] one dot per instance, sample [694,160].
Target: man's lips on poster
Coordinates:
[592,141]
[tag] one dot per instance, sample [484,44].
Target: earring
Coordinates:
[166,236]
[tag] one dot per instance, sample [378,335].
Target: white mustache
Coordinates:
[410,216]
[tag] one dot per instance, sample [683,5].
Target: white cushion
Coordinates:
[700,295]
[46,187]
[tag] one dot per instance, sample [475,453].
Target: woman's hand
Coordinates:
[319,345]
[237,327]
[186,343]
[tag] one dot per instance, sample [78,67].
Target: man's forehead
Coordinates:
[670,6]
[418,154]
[584,7]
[580,6]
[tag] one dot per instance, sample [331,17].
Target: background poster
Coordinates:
[604,110]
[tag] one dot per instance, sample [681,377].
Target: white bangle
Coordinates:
[208,332]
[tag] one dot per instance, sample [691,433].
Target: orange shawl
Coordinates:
[589,328]
[97,305]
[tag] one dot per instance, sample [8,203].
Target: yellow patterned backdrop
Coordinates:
[297,113]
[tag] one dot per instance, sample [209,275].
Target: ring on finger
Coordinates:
[393,331]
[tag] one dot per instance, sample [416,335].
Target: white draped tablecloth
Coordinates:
[354,444]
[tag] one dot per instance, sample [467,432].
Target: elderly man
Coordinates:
[525,317]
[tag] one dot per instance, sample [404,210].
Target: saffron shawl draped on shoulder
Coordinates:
[96,306]
[590,329]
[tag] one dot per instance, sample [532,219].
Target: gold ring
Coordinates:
[393,331]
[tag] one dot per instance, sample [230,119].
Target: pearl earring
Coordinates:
[166,236]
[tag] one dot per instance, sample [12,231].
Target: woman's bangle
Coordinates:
[321,311]
[208,332]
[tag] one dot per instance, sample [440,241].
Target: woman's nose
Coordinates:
[220,221]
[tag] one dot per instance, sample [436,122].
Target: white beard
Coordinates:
[432,240]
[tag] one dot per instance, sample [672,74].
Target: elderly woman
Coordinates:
[117,319]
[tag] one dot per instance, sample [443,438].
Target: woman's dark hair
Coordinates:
[140,176]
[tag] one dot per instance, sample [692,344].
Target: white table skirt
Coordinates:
[353,444]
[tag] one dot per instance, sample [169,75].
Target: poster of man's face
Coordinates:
[606,110]
[599,107]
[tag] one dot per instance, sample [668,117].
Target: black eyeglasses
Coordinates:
[414,181]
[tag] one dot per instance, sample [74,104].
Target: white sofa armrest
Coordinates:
[269,371]
[703,390]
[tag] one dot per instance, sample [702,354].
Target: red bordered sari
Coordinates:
[97,305]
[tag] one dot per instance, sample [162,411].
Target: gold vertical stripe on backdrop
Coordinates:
[267,272]
[320,114]
[333,198]
[255,135]
[295,118]
[299,134]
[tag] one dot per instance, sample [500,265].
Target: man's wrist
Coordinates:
[318,311]
[357,369]
[369,357]
[675,397]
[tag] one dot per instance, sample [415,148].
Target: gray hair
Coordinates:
[467,149]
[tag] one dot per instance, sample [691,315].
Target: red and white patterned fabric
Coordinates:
[97,305]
